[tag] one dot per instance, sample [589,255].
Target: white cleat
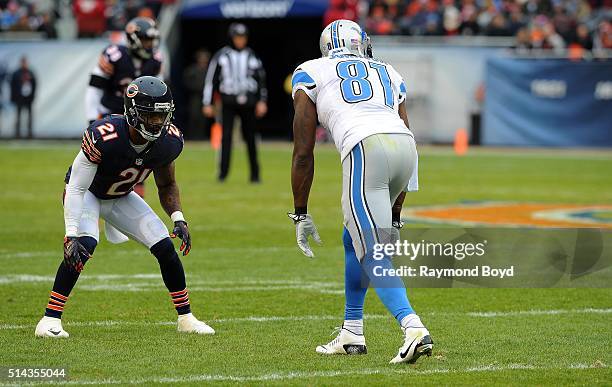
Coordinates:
[417,343]
[189,324]
[50,327]
[346,343]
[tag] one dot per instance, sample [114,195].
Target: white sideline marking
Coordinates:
[15,278]
[29,254]
[153,282]
[538,312]
[313,374]
[112,323]
[158,286]
[12,278]
[210,250]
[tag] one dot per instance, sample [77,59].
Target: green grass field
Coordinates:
[270,305]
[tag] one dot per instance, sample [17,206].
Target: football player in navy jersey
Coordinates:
[118,65]
[116,153]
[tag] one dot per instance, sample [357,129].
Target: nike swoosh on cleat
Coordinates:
[404,354]
[55,332]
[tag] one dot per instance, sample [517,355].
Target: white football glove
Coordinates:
[304,228]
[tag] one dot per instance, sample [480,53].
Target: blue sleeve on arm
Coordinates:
[300,76]
[403,87]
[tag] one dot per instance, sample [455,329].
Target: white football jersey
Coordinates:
[355,97]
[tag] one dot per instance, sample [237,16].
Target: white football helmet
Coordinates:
[343,33]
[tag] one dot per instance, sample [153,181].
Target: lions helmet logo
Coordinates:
[132,90]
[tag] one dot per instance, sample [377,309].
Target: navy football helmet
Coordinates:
[142,37]
[148,107]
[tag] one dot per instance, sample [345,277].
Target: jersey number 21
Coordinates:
[355,85]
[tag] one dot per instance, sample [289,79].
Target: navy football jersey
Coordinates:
[120,69]
[106,142]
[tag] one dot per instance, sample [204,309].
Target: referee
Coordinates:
[237,73]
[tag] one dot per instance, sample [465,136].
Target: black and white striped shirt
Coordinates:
[238,75]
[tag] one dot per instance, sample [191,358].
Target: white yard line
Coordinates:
[113,323]
[143,252]
[539,312]
[286,376]
[158,286]
[29,254]
[17,278]
[151,282]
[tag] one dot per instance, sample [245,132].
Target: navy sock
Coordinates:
[172,274]
[355,282]
[65,279]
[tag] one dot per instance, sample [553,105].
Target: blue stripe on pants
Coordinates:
[364,222]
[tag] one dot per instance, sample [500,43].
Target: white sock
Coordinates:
[355,326]
[411,321]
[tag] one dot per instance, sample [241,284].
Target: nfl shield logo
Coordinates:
[138,161]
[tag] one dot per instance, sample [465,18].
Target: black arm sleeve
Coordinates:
[261,82]
[98,81]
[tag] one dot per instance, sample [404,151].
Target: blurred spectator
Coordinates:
[516,21]
[421,17]
[193,81]
[604,35]
[133,7]
[378,22]
[90,17]
[47,26]
[23,91]
[537,7]
[116,17]
[146,12]
[552,40]
[523,41]
[340,9]
[498,26]
[564,23]
[469,14]
[583,37]
[451,18]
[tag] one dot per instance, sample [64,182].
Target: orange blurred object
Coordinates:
[575,51]
[461,142]
[216,132]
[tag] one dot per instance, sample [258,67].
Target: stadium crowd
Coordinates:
[29,16]
[93,17]
[554,24]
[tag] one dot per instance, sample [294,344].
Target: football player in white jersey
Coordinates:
[361,101]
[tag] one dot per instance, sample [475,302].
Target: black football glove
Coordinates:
[181,231]
[73,250]
[397,220]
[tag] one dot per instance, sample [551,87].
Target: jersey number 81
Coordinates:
[355,85]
